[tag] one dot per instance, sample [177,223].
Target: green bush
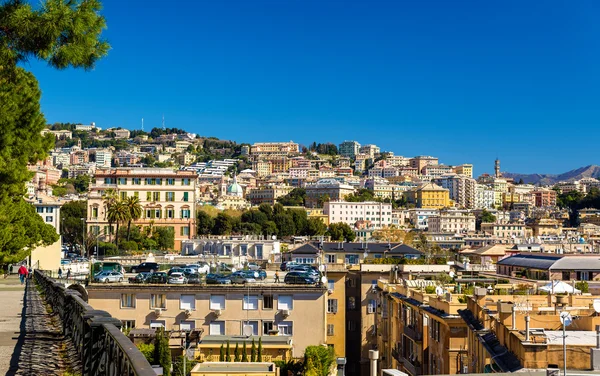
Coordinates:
[129,245]
[147,349]
[430,289]
[583,286]
[318,361]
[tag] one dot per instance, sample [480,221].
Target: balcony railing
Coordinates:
[413,334]
[102,348]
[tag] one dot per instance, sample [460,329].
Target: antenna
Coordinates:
[142,124]
[163,122]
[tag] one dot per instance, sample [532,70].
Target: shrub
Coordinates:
[583,286]
[147,349]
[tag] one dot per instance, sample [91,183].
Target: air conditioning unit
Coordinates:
[218,312]
[330,291]
[188,312]
[285,312]
[157,311]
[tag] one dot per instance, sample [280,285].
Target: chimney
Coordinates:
[373,356]
[527,318]
[514,318]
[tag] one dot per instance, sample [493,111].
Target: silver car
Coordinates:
[108,276]
[177,278]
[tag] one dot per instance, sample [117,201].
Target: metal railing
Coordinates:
[102,348]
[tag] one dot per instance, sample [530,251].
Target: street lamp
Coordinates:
[83,237]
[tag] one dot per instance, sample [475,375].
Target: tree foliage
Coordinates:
[318,361]
[72,228]
[296,197]
[162,352]
[147,349]
[341,232]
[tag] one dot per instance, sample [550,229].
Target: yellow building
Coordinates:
[464,169]
[336,308]
[429,196]
[233,368]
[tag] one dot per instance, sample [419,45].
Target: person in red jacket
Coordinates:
[23,273]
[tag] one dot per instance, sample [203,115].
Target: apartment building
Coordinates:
[87,128]
[464,169]
[544,197]
[419,162]
[505,230]
[485,198]
[461,189]
[436,170]
[61,134]
[371,150]
[103,157]
[361,162]
[260,149]
[267,194]
[376,214]
[349,149]
[47,257]
[382,189]
[167,197]
[288,318]
[456,221]
[429,196]
[336,308]
[326,190]
[234,250]
[262,168]
[419,217]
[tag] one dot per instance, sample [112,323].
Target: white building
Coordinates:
[376,213]
[484,197]
[456,221]
[461,189]
[103,158]
[419,217]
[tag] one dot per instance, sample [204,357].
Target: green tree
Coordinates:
[236,353]
[285,224]
[147,349]
[341,232]
[315,227]
[162,352]
[72,228]
[178,366]
[487,217]
[82,183]
[267,210]
[300,220]
[269,228]
[118,213]
[164,237]
[227,353]
[318,360]
[223,224]
[253,352]
[204,223]
[296,197]
[222,354]
[244,353]
[259,350]
[134,209]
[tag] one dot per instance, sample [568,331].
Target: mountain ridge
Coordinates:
[590,171]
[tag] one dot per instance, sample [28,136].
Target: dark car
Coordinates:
[300,278]
[157,277]
[256,274]
[195,278]
[214,278]
[139,278]
[149,267]
[286,265]
[305,269]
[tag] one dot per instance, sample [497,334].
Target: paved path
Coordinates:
[34,335]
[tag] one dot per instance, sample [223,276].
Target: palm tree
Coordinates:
[134,208]
[117,213]
[110,197]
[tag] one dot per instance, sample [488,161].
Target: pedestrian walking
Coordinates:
[22,273]
[68,274]
[29,272]
[276,277]
[59,273]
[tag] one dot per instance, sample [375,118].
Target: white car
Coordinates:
[108,277]
[177,278]
[200,268]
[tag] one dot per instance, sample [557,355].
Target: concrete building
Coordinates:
[461,189]
[167,197]
[485,197]
[235,250]
[505,230]
[47,257]
[259,149]
[287,317]
[87,128]
[436,170]
[544,197]
[326,190]
[382,189]
[464,169]
[376,214]
[371,150]
[103,157]
[429,196]
[349,149]
[267,194]
[456,221]
[62,134]
[419,217]
[421,161]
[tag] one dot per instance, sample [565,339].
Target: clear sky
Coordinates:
[467,81]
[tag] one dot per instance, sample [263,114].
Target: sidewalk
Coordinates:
[31,340]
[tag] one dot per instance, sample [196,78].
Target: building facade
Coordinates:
[376,213]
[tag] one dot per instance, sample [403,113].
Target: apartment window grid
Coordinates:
[267,327]
[332,305]
[127,300]
[285,328]
[158,301]
[267,301]
[330,330]
[187,302]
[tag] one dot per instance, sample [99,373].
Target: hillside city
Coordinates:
[402,263]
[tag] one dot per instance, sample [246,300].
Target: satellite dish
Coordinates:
[274,237]
[233,270]
[248,330]
[256,275]
[439,291]
[451,274]
[565,318]
[597,305]
[323,280]
[321,268]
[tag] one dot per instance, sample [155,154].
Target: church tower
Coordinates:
[497,168]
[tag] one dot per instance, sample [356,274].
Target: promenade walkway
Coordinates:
[31,340]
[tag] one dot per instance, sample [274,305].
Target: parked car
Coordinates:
[107,276]
[261,274]
[177,278]
[157,277]
[253,266]
[242,277]
[201,267]
[300,278]
[149,267]
[195,278]
[175,270]
[286,265]
[305,269]
[139,278]
[215,278]
[106,266]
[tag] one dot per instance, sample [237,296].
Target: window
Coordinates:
[150,181]
[372,306]
[157,324]
[185,181]
[156,196]
[253,324]
[40,209]
[185,213]
[330,331]
[285,302]
[250,302]
[137,181]
[148,196]
[217,302]
[267,301]
[351,303]
[351,282]
[158,301]
[123,195]
[188,326]
[332,305]
[94,212]
[49,210]
[170,181]
[185,231]
[48,219]
[187,302]
[128,324]
[217,328]
[244,250]
[127,300]
[185,196]
[170,196]
[331,259]
[330,284]
[285,328]
[267,327]
[170,213]
[122,180]
[158,181]
[351,326]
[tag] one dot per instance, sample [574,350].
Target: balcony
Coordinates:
[413,333]
[412,368]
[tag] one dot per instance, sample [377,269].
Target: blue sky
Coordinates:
[467,81]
